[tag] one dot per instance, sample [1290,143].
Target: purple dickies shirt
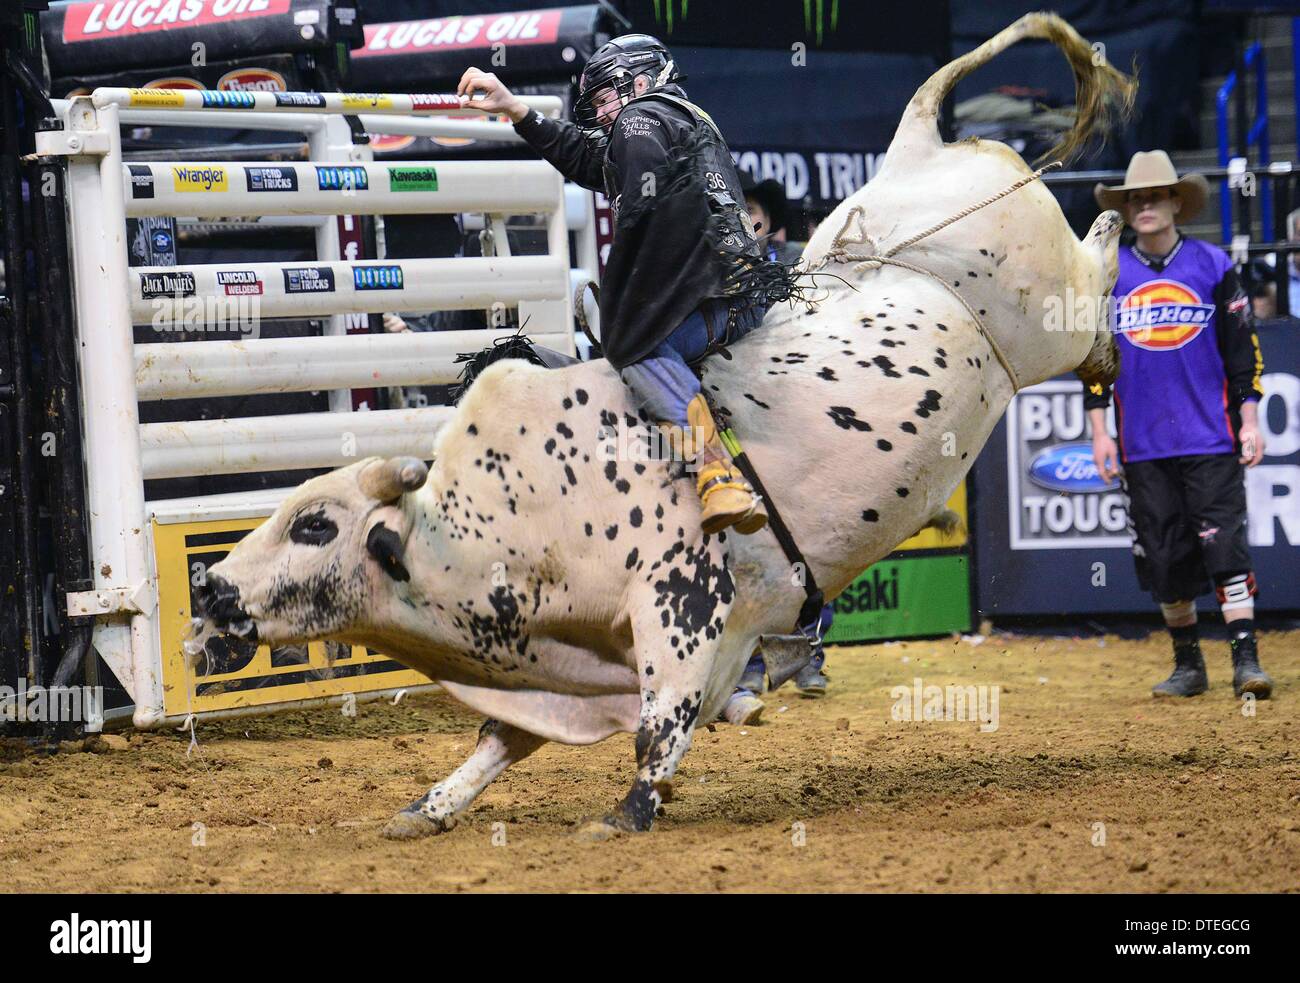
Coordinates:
[1171,397]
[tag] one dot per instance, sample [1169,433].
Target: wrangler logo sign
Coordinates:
[188,177]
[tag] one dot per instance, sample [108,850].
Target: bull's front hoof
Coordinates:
[414,825]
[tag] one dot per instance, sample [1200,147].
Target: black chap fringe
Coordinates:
[517,345]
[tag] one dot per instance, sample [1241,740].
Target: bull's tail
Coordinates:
[1100,90]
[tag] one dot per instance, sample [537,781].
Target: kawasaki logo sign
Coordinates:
[905,596]
[412,179]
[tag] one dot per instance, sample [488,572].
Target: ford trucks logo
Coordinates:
[1068,468]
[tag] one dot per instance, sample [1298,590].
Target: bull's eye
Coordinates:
[314,529]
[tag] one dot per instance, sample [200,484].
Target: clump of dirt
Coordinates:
[1079,782]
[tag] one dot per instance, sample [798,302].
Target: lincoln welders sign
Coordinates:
[1052,536]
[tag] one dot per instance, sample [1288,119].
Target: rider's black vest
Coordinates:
[733,225]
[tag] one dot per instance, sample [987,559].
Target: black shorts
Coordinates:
[1188,520]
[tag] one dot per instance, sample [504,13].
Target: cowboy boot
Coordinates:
[1247,676]
[727,498]
[1188,677]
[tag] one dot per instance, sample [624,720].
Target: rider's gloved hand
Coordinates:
[496,97]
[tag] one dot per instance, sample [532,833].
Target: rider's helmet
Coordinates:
[612,72]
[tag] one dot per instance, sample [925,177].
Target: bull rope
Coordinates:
[839,252]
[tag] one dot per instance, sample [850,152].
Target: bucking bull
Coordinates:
[564,589]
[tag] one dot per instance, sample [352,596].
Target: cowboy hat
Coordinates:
[771,195]
[1154,169]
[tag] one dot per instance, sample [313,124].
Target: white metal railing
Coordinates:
[120,453]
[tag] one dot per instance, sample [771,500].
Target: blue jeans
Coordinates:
[662,382]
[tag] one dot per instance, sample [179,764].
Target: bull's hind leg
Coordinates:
[677,628]
[499,746]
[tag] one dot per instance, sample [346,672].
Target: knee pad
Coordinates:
[1235,591]
[1179,614]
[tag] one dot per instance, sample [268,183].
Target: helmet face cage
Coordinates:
[594,87]
[615,67]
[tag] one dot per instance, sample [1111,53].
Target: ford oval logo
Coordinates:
[1068,468]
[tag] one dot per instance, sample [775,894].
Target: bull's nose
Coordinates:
[219,601]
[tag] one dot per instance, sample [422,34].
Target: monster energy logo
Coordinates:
[821,17]
[668,11]
[814,15]
[31,26]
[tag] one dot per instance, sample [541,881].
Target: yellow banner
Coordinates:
[366,100]
[933,539]
[156,97]
[232,673]
[199,177]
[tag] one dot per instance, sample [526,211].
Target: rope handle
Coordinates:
[874,259]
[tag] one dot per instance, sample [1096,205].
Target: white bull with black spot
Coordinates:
[567,593]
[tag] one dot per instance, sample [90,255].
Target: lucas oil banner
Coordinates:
[1052,536]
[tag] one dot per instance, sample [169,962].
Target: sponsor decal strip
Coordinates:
[239,283]
[412,179]
[254,89]
[271,178]
[308,280]
[377,278]
[200,177]
[173,283]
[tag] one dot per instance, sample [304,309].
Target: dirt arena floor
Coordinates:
[1087,784]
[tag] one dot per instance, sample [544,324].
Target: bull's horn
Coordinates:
[386,480]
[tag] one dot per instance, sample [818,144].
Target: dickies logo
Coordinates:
[239,283]
[377,277]
[192,178]
[342,179]
[1162,315]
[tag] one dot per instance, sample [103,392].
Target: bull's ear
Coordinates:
[385,546]
[387,480]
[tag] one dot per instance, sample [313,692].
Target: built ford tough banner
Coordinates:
[1052,536]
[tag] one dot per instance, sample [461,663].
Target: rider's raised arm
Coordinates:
[566,147]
